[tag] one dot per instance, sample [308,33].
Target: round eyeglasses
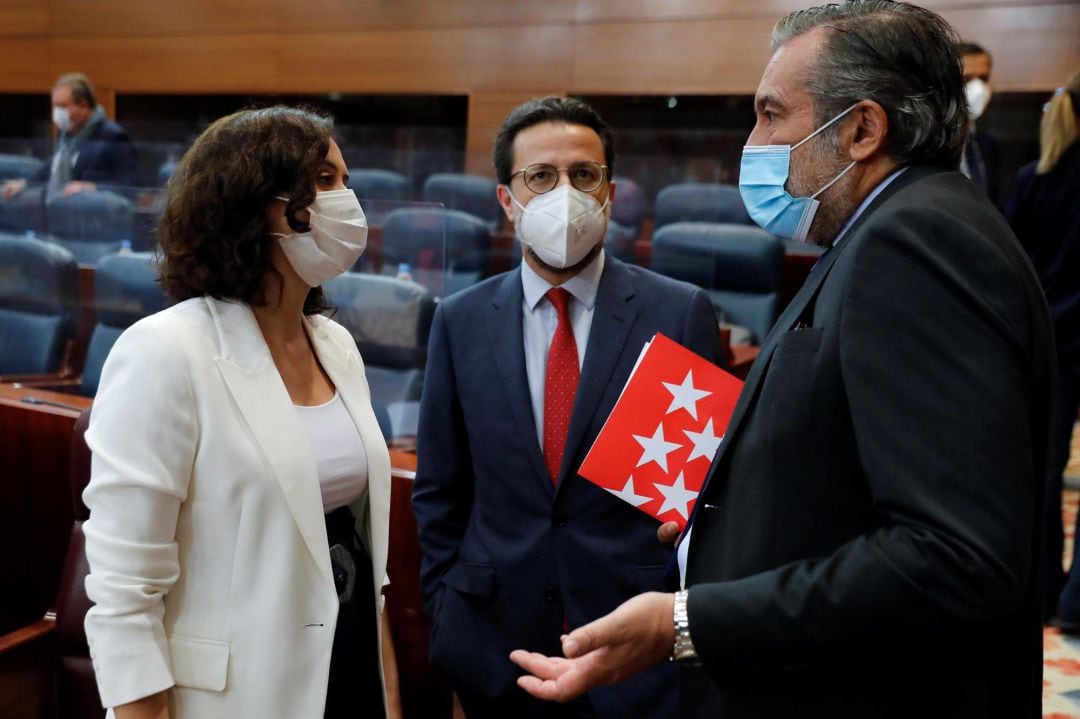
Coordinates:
[541,177]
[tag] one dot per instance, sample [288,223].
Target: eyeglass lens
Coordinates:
[584,176]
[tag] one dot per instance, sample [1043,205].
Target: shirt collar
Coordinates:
[866,203]
[583,286]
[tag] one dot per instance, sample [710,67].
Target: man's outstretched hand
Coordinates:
[637,635]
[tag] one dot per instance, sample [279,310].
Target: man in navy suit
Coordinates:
[91,149]
[866,544]
[523,370]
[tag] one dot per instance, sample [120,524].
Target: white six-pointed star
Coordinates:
[705,442]
[685,395]
[676,496]
[656,448]
[627,494]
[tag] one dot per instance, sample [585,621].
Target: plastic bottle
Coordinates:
[125,247]
[404,272]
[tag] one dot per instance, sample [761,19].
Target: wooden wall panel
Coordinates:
[24,65]
[361,15]
[450,61]
[1034,47]
[713,56]
[140,18]
[226,63]
[23,17]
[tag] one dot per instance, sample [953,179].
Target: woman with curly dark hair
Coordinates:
[240,487]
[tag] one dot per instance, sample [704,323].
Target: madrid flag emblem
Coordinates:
[660,439]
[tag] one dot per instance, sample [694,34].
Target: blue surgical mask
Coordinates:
[762,177]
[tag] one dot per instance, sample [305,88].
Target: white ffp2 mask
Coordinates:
[561,226]
[978,97]
[337,238]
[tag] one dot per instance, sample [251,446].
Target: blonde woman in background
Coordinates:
[1044,211]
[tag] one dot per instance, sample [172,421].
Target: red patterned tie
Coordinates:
[560,383]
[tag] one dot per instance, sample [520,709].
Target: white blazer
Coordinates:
[209,566]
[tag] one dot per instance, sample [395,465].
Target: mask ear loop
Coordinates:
[820,129]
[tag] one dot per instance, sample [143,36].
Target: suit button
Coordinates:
[561,520]
[550,594]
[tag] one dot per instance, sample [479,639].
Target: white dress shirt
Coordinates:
[539,320]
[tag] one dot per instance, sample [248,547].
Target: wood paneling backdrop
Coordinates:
[495,52]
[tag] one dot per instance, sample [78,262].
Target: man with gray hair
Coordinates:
[865,545]
[90,149]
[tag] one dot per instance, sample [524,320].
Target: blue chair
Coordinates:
[38,304]
[91,224]
[165,171]
[377,191]
[740,267]
[25,212]
[125,291]
[434,238]
[468,193]
[619,241]
[700,202]
[19,167]
[630,206]
[390,320]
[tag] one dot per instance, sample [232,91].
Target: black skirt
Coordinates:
[355,688]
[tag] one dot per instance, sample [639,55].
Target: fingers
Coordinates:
[540,665]
[668,532]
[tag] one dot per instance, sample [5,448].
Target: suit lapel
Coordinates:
[343,365]
[795,310]
[266,407]
[613,317]
[507,344]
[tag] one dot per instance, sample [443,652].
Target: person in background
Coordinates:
[980,159]
[91,149]
[867,542]
[523,370]
[240,486]
[1044,211]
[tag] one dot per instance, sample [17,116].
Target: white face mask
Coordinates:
[561,226]
[978,97]
[61,117]
[337,238]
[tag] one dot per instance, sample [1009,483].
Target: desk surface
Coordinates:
[58,403]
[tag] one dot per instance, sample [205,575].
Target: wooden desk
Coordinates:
[35,502]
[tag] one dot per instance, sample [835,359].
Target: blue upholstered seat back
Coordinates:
[741,267]
[468,193]
[38,304]
[390,320]
[125,290]
[14,167]
[700,202]
[91,224]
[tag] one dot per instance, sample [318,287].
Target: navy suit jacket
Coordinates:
[506,554]
[866,544]
[106,156]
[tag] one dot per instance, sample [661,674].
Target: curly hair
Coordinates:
[212,234]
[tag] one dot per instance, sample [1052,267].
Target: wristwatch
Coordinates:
[684,646]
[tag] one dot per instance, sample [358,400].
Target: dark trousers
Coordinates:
[355,689]
[1061,592]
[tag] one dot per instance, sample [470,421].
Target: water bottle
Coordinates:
[125,247]
[404,272]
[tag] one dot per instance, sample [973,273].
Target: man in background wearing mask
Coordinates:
[980,160]
[90,149]
[865,544]
[522,373]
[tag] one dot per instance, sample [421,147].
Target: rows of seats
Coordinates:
[40,313]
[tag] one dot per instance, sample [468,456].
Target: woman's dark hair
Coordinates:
[568,110]
[213,234]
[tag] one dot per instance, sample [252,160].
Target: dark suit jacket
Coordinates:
[866,543]
[106,156]
[506,555]
[1044,211]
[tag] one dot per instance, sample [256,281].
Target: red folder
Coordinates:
[660,439]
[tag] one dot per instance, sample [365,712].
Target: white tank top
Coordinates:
[339,452]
